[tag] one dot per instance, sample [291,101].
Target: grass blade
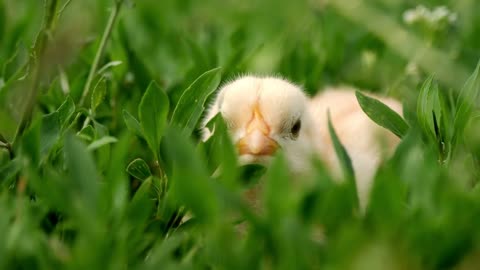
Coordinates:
[191,104]
[382,114]
[343,158]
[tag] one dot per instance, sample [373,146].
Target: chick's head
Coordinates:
[263,115]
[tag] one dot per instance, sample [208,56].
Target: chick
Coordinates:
[264,114]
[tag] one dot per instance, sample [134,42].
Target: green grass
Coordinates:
[100,159]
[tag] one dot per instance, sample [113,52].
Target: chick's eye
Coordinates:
[296,128]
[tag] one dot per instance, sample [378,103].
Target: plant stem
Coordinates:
[35,61]
[101,49]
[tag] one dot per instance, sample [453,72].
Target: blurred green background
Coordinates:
[314,43]
[117,203]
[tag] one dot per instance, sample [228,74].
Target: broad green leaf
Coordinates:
[467,99]
[278,190]
[132,124]
[53,190]
[101,142]
[190,181]
[190,107]
[50,132]
[387,199]
[141,205]
[100,129]
[8,171]
[343,159]
[153,111]
[31,143]
[117,183]
[220,153]
[53,125]
[99,93]
[66,110]
[139,169]
[382,114]
[82,173]
[87,133]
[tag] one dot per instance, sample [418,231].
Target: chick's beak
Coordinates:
[257,141]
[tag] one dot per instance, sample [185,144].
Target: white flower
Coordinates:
[433,18]
[410,16]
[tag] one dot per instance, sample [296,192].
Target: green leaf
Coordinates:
[132,124]
[101,142]
[427,104]
[31,143]
[387,199]
[50,132]
[382,114]
[8,172]
[139,169]
[82,173]
[141,204]
[153,111]
[190,181]
[87,133]
[53,125]
[220,152]
[116,180]
[343,158]
[190,107]
[278,195]
[65,111]
[466,101]
[99,93]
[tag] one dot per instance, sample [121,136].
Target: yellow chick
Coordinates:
[264,114]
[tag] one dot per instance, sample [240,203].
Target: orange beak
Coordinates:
[257,141]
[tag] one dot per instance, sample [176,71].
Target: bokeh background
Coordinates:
[372,44]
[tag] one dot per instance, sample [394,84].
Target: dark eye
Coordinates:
[296,128]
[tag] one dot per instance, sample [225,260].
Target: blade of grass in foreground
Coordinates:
[191,104]
[382,114]
[153,111]
[344,159]
[466,102]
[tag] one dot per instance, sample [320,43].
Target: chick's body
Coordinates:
[366,142]
[267,113]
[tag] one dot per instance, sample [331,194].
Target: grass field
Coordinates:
[100,157]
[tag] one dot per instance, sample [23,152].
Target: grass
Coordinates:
[100,157]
